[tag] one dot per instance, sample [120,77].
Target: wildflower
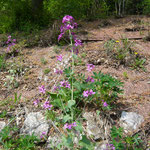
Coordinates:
[60,36]
[91,92]
[58,71]
[42,89]
[47,105]
[88,93]
[36,102]
[59,58]
[68,27]
[65,84]
[14,40]
[117,41]
[77,42]
[69,126]
[105,104]
[55,88]
[43,133]
[66,126]
[89,79]
[135,53]
[9,36]
[90,67]
[110,146]
[74,124]
[67,19]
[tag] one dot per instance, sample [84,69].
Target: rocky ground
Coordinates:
[35,61]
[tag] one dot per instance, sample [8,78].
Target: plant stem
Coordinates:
[70,35]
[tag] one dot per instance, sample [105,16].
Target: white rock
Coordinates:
[130,121]
[35,123]
[2,125]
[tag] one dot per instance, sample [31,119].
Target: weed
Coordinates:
[125,75]
[46,71]
[43,61]
[2,62]
[121,141]
[138,63]
[10,141]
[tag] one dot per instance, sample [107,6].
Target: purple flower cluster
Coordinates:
[10,42]
[69,126]
[57,71]
[64,84]
[90,67]
[89,79]
[56,88]
[59,58]
[42,89]
[36,102]
[69,24]
[110,147]
[104,103]
[47,105]
[88,93]
[43,134]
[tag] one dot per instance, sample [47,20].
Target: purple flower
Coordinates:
[67,19]
[105,104]
[55,88]
[89,79]
[43,133]
[12,44]
[42,89]
[74,124]
[59,58]
[110,147]
[8,48]
[14,40]
[64,84]
[77,42]
[36,102]
[66,126]
[60,36]
[91,92]
[46,105]
[68,27]
[9,36]
[58,71]
[69,126]
[86,93]
[90,67]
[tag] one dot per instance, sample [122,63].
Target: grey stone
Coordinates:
[2,125]
[35,123]
[97,126]
[53,141]
[102,146]
[130,121]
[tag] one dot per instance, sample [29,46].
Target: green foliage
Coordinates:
[121,51]
[68,141]
[46,71]
[121,141]
[2,62]
[10,141]
[139,63]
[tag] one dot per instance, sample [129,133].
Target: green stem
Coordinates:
[72,70]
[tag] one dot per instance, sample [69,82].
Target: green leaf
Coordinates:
[53,95]
[71,103]
[66,118]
